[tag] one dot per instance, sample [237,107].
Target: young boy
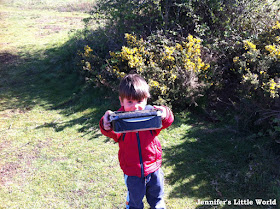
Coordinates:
[140,153]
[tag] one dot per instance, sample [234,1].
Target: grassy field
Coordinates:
[52,154]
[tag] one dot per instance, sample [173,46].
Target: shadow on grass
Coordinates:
[213,162]
[49,78]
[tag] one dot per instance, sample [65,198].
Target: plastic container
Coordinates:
[148,119]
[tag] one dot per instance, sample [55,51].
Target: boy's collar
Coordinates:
[122,108]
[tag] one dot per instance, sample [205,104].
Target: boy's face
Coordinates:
[132,105]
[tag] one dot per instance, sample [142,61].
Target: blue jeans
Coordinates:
[151,186]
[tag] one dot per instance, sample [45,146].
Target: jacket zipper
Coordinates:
[140,155]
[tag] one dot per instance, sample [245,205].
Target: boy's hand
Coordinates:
[106,120]
[163,110]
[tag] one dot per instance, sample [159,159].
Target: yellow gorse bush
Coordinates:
[167,67]
[249,45]
[91,65]
[167,55]
[87,55]
[274,50]
[87,51]
[132,40]
[258,65]
[189,52]
[276,26]
[174,69]
[133,56]
[274,87]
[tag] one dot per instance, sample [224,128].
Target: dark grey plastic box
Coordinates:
[136,121]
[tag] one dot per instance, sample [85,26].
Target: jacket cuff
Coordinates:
[110,133]
[168,120]
[102,127]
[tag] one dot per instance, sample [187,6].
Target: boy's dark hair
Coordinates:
[134,87]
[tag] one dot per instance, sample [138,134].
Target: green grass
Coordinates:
[52,154]
[58,5]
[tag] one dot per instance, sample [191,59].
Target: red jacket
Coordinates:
[140,152]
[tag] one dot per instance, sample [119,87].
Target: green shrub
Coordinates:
[171,69]
[259,79]
[258,69]
[259,64]
[238,41]
[122,16]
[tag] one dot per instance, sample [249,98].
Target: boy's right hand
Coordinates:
[106,120]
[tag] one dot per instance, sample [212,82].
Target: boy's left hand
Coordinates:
[162,109]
